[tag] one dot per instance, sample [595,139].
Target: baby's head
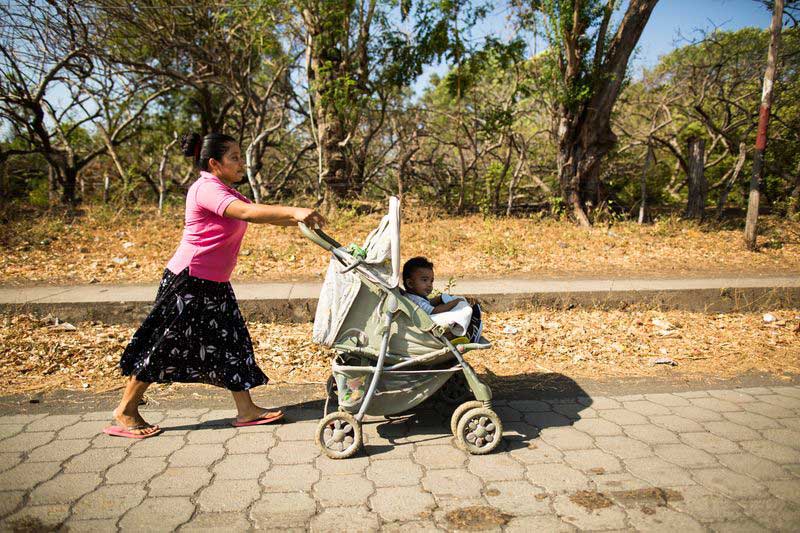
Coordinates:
[418,276]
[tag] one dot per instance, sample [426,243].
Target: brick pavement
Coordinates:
[716,460]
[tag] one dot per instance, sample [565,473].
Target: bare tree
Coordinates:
[751,223]
[588,87]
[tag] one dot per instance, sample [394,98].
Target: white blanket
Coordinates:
[457,319]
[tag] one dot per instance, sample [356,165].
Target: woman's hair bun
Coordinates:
[189,143]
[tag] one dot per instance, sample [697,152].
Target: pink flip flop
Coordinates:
[260,421]
[128,432]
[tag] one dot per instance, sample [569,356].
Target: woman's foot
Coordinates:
[132,419]
[258,413]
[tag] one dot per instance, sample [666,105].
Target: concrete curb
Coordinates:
[296,302]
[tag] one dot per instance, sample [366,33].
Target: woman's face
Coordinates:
[231,168]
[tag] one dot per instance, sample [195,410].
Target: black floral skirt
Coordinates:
[194,334]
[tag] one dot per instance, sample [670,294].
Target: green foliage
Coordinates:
[38,194]
[560,21]
[491,179]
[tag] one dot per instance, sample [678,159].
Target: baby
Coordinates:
[418,282]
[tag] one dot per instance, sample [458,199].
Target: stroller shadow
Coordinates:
[536,402]
[528,404]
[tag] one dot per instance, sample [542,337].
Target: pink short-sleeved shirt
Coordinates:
[210,243]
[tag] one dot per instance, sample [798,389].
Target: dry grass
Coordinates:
[36,356]
[133,246]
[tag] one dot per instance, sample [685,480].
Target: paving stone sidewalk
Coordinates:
[716,460]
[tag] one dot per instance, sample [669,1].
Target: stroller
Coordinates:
[390,355]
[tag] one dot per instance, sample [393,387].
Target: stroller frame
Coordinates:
[339,432]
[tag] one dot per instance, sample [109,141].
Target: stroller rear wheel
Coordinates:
[339,435]
[479,431]
[459,412]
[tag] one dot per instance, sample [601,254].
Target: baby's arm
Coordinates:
[441,308]
[436,300]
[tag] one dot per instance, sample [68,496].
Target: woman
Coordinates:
[195,332]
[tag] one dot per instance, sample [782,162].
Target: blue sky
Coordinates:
[673,24]
[675,21]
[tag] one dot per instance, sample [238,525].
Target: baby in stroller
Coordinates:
[418,280]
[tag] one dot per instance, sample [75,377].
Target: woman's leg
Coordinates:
[127,412]
[247,410]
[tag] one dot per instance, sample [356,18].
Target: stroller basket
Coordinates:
[396,392]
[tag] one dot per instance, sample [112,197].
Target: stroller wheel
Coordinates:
[479,431]
[339,435]
[459,412]
[455,390]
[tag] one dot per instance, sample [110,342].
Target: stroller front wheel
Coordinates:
[459,412]
[339,435]
[479,431]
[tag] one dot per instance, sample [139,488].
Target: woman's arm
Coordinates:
[277,215]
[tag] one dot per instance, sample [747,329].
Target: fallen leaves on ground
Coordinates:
[134,245]
[596,344]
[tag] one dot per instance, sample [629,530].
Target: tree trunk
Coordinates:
[584,128]
[335,167]
[794,197]
[327,30]
[502,179]
[115,158]
[253,165]
[462,182]
[513,184]
[4,181]
[68,192]
[751,223]
[575,169]
[737,169]
[698,188]
[648,159]
[162,174]
[52,185]
[106,187]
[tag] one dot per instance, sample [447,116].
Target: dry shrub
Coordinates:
[35,355]
[135,245]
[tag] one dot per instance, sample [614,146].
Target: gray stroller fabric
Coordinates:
[337,295]
[383,249]
[340,289]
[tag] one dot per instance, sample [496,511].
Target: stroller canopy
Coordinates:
[380,264]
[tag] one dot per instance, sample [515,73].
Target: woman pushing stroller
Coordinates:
[195,331]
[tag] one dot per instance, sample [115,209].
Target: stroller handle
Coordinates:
[319,237]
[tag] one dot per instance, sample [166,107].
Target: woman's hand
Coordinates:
[309,217]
